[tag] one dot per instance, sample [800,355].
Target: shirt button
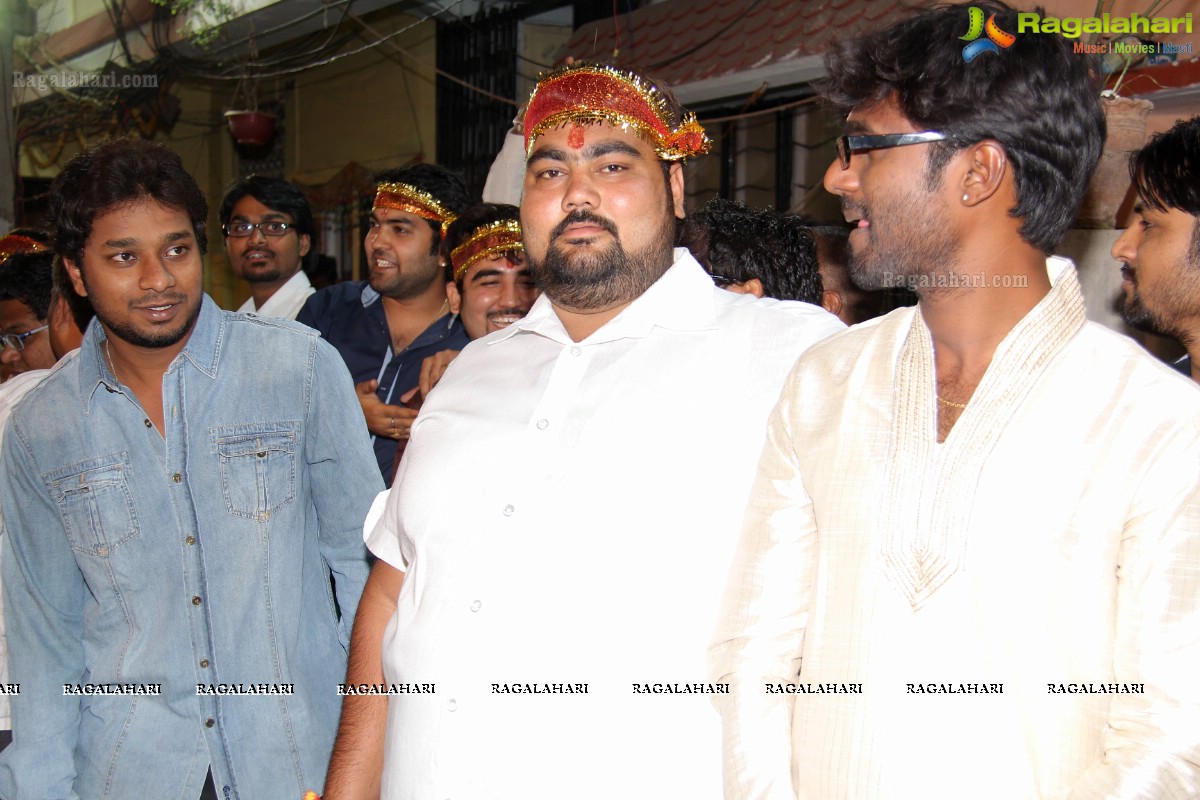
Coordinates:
[204,663]
[451,704]
[208,723]
[195,601]
[148,423]
[190,540]
[542,424]
[177,478]
[576,351]
[476,605]
[508,511]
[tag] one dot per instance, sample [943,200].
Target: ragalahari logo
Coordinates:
[996,38]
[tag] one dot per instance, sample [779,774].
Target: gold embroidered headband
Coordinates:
[408,198]
[488,241]
[16,243]
[588,93]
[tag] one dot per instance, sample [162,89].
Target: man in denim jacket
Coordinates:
[177,496]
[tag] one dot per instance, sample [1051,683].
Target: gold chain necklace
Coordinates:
[111,364]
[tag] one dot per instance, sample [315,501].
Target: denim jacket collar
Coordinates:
[203,350]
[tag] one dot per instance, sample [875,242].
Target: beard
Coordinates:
[907,246]
[153,337]
[1137,316]
[593,278]
[404,284]
[269,274]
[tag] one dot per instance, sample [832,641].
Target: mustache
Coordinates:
[860,212]
[505,312]
[582,217]
[159,299]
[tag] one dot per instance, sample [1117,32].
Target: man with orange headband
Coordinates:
[551,558]
[387,325]
[488,284]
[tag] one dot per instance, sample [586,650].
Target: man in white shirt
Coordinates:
[269,233]
[971,560]
[551,555]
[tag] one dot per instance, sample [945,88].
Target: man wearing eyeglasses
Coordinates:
[269,233]
[25,281]
[970,566]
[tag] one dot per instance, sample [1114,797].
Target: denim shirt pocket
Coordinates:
[257,465]
[96,504]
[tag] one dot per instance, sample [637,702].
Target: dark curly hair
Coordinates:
[28,277]
[116,172]
[1036,98]
[739,243]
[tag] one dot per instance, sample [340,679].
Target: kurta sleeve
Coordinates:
[763,618]
[1152,740]
[43,607]
[345,477]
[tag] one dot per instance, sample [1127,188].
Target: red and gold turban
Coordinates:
[587,93]
[15,243]
[404,197]
[488,241]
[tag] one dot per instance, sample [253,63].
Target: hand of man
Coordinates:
[433,368]
[383,419]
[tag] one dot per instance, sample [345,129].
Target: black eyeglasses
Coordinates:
[240,230]
[849,145]
[17,340]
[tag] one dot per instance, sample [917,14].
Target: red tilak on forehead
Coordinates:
[575,137]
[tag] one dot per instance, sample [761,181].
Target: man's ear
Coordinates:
[76,278]
[754,286]
[305,244]
[831,301]
[675,179]
[454,296]
[987,167]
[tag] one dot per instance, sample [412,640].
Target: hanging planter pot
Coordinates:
[252,128]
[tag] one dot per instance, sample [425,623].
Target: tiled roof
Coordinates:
[683,41]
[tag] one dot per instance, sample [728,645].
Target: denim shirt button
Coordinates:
[204,663]
[148,423]
[208,723]
[190,540]
[177,478]
[195,601]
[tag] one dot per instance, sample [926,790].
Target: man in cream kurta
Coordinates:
[970,565]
